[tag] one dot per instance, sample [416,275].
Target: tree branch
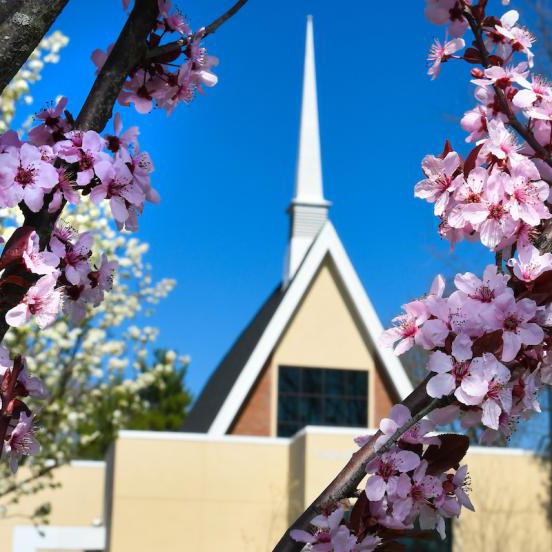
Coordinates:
[129,49]
[347,480]
[210,29]
[23,26]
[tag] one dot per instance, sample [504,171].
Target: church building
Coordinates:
[311,354]
[275,422]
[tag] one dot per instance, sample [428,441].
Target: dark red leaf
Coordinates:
[496,60]
[15,246]
[154,40]
[446,150]
[448,454]
[359,512]
[471,55]
[488,343]
[469,163]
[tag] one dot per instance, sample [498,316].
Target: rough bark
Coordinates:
[23,24]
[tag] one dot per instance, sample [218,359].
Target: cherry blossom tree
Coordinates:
[488,341]
[55,262]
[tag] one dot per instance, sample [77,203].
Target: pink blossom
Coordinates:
[440,53]
[454,494]
[530,264]
[39,262]
[172,22]
[450,373]
[141,166]
[101,280]
[389,470]
[423,489]
[86,149]
[441,12]
[330,535]
[99,57]
[485,385]
[398,416]
[117,186]
[64,191]
[53,127]
[119,143]
[503,77]
[406,329]
[24,176]
[139,92]
[533,91]
[21,441]
[501,143]
[514,319]
[467,192]
[482,293]
[490,216]
[439,183]
[41,300]
[517,38]
[27,384]
[202,63]
[74,256]
[527,198]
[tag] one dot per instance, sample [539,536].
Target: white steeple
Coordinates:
[308,210]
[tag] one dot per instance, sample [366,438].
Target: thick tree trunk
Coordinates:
[23,24]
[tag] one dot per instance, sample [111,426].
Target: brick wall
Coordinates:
[254,416]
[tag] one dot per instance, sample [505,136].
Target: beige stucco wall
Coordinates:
[78,501]
[176,493]
[236,494]
[509,490]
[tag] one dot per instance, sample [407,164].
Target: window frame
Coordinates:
[322,395]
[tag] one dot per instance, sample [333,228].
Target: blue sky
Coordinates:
[225,164]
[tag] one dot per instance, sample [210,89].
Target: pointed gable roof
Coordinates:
[229,386]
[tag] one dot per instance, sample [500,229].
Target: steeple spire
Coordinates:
[308,210]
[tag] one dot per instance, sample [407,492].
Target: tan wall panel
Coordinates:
[179,495]
[508,492]
[79,501]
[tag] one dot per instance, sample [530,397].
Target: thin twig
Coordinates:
[210,29]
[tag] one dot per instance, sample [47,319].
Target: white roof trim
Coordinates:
[327,242]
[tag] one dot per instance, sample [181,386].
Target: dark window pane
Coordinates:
[312,381]
[318,396]
[333,409]
[288,429]
[288,408]
[335,382]
[357,383]
[289,379]
[357,412]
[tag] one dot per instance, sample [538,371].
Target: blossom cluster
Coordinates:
[165,80]
[415,479]
[488,340]
[59,165]
[16,424]
[499,192]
